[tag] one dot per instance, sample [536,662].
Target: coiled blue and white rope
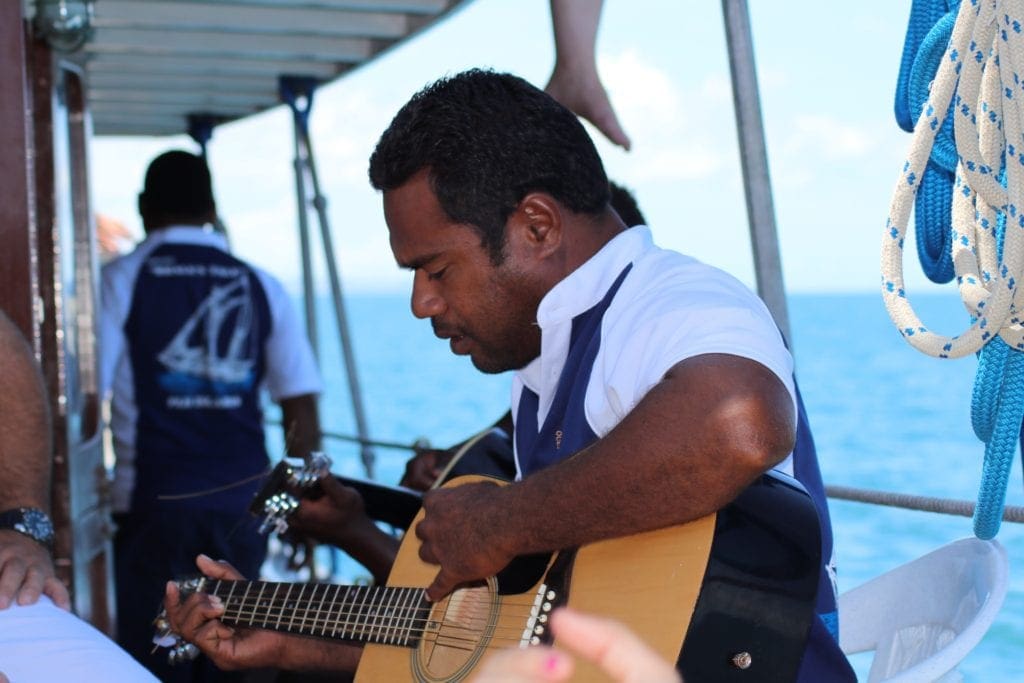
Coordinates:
[982,77]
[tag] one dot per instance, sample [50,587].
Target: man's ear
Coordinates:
[537,224]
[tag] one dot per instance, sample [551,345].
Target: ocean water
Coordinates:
[884,417]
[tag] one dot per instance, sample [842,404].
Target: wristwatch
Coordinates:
[32,522]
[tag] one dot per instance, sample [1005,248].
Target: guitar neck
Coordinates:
[365,614]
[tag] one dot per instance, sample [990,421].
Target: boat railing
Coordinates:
[947,506]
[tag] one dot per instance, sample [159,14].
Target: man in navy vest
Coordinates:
[190,335]
[649,389]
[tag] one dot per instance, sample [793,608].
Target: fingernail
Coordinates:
[216,602]
[551,663]
[203,556]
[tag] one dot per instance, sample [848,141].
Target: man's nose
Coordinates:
[426,301]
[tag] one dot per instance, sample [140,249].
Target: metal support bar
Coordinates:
[308,291]
[297,92]
[200,129]
[754,160]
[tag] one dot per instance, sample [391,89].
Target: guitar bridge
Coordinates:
[536,631]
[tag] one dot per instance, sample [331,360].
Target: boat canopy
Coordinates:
[161,67]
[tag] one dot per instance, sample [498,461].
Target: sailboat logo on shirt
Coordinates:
[213,350]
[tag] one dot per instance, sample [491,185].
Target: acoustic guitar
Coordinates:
[730,595]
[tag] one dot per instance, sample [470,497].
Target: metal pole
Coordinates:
[320,204]
[297,92]
[308,292]
[754,160]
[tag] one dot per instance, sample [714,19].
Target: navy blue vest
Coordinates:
[196,332]
[565,430]
[823,660]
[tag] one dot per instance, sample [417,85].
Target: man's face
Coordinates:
[488,312]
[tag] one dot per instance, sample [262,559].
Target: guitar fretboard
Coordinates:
[368,614]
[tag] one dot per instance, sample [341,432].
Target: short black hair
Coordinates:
[178,184]
[488,139]
[624,203]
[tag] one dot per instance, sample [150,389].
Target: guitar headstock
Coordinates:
[290,479]
[179,650]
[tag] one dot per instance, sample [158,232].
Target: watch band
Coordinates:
[31,522]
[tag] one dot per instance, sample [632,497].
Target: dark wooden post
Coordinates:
[18,280]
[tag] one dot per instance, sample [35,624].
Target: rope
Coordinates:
[946,506]
[978,87]
[928,33]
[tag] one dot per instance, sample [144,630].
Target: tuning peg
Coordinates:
[182,652]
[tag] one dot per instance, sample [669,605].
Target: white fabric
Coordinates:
[923,617]
[669,308]
[291,368]
[42,643]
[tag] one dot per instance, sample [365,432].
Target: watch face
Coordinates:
[36,524]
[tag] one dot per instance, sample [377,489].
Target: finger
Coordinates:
[423,529]
[58,592]
[31,586]
[172,597]
[442,585]
[525,665]
[612,646]
[217,569]
[12,574]
[332,487]
[215,640]
[189,614]
[198,611]
[427,554]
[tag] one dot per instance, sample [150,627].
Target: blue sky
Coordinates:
[827,74]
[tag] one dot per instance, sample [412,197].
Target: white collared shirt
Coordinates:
[669,308]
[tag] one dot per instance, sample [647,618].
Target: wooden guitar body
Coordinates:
[737,588]
[650,581]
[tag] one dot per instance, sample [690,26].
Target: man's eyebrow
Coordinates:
[418,262]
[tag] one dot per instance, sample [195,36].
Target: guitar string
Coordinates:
[440,637]
[387,626]
[268,611]
[382,626]
[450,640]
[341,592]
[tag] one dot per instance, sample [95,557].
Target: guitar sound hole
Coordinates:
[459,631]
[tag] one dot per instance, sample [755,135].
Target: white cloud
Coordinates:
[676,133]
[828,138]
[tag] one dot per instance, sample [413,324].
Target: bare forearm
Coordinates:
[692,445]
[25,427]
[574,24]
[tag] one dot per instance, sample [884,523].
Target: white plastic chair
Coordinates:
[923,617]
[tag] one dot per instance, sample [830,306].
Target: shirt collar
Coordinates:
[200,235]
[583,288]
